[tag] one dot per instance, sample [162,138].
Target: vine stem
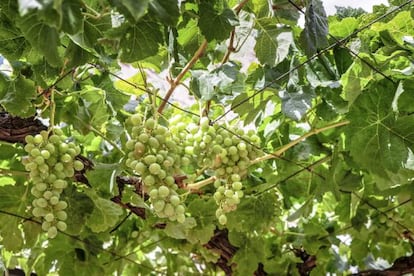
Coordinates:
[4,172]
[293,143]
[200,184]
[174,83]
[100,134]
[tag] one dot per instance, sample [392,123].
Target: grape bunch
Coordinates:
[51,164]
[224,152]
[154,155]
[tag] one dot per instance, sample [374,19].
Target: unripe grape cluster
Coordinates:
[224,152]
[154,155]
[51,164]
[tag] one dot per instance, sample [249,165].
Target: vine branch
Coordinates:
[200,184]
[174,83]
[293,143]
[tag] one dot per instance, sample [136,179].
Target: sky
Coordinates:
[365,4]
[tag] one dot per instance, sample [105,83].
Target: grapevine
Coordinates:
[51,164]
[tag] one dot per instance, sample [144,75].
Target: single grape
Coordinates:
[154,168]
[61,225]
[222,219]
[158,205]
[49,217]
[52,232]
[61,215]
[163,191]
[78,165]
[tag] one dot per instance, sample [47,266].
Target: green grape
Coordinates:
[169,210]
[174,200]
[50,148]
[78,165]
[63,147]
[163,191]
[222,219]
[149,180]
[52,232]
[45,154]
[218,196]
[130,144]
[41,186]
[136,119]
[61,215]
[38,212]
[59,184]
[61,226]
[35,192]
[37,139]
[237,185]
[66,158]
[149,123]
[153,193]
[49,217]
[46,225]
[140,168]
[54,200]
[181,218]
[180,209]
[41,202]
[169,180]
[153,143]
[150,159]
[39,160]
[61,205]
[54,139]
[158,205]
[154,168]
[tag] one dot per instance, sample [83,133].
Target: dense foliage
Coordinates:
[206,137]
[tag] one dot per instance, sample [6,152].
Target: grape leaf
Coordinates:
[13,44]
[132,9]
[42,37]
[296,104]
[166,11]
[249,255]
[251,207]
[16,95]
[13,199]
[105,213]
[314,35]
[223,20]
[138,41]
[380,140]
[343,28]
[72,19]
[273,42]
[180,230]
[205,217]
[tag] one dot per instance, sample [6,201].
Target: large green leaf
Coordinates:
[13,199]
[42,37]
[72,19]
[12,42]
[132,9]
[16,96]
[379,140]
[105,213]
[314,35]
[138,41]
[165,10]
[223,20]
[273,42]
